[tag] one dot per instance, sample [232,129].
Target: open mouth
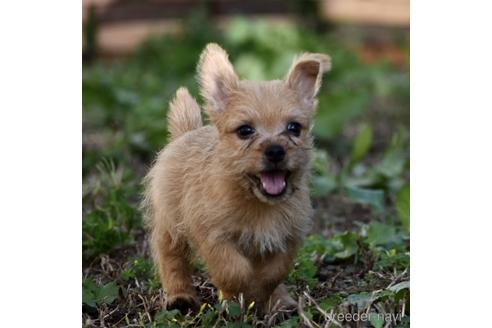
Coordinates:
[273,183]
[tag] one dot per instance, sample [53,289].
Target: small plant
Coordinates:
[110,215]
[94,294]
[142,270]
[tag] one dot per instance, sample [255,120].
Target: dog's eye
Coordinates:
[245,131]
[294,128]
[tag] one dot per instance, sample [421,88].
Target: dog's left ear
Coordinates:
[216,77]
[305,75]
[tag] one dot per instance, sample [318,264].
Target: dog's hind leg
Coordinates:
[173,258]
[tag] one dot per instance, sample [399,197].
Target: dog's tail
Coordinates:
[184,114]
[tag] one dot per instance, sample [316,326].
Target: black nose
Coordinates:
[275,153]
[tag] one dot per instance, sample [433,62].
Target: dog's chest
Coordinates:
[253,242]
[270,236]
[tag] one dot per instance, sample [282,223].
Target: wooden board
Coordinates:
[374,12]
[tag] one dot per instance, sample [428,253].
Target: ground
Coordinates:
[355,262]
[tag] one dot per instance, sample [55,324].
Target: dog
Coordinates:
[235,192]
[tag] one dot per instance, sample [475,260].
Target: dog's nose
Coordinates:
[275,153]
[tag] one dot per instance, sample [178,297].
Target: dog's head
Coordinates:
[264,127]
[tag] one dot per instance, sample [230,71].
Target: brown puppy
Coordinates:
[235,191]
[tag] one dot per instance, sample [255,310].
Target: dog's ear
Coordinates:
[305,75]
[216,77]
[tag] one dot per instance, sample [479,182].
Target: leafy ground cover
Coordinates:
[353,270]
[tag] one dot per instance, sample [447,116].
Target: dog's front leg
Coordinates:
[230,271]
[271,271]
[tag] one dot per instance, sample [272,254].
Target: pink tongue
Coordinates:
[273,182]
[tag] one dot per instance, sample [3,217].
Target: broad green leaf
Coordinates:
[396,257]
[362,300]
[345,245]
[403,207]
[322,185]
[335,111]
[330,302]
[392,163]
[290,323]
[167,317]
[234,309]
[373,197]
[369,179]
[93,295]
[315,243]
[304,270]
[382,234]
[88,296]
[108,293]
[362,143]
[376,320]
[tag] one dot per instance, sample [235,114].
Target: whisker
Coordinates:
[249,144]
[292,140]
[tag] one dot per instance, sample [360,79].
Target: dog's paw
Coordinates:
[183,303]
[281,300]
[287,305]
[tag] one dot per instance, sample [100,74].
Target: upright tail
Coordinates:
[184,114]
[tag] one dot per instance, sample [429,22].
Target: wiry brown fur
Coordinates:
[201,193]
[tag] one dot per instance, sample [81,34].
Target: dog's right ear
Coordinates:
[216,77]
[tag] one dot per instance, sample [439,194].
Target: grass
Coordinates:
[356,260]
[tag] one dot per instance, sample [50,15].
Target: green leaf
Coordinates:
[87,293]
[234,309]
[209,318]
[322,185]
[403,207]
[382,234]
[168,318]
[304,270]
[335,111]
[290,323]
[108,293]
[373,197]
[362,300]
[393,163]
[321,162]
[345,245]
[376,320]
[396,257]
[140,268]
[362,143]
[330,302]
[94,295]
[395,157]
